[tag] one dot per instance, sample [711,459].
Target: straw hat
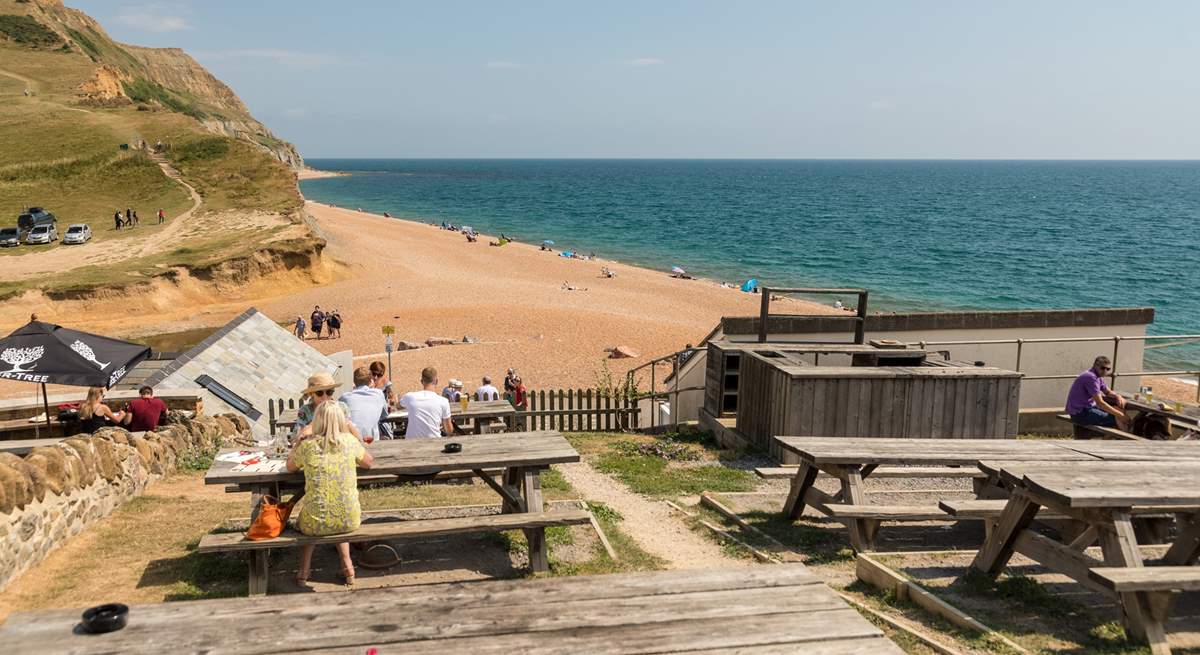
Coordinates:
[319,381]
[455,383]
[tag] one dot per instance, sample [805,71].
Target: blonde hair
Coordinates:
[329,424]
[89,405]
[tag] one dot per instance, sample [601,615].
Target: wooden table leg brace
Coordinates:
[521,489]
[259,570]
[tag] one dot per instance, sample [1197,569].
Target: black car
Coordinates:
[10,236]
[33,217]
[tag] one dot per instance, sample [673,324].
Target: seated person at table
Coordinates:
[379,380]
[486,391]
[428,413]
[366,404]
[329,458]
[320,388]
[1091,402]
[94,414]
[146,411]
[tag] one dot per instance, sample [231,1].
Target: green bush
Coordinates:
[143,90]
[27,31]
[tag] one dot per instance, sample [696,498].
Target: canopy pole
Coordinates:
[46,406]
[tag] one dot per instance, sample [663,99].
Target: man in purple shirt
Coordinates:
[1091,402]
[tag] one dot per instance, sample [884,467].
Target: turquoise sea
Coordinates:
[918,234]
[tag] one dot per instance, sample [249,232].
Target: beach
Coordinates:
[428,282]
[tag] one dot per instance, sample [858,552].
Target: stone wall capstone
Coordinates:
[55,491]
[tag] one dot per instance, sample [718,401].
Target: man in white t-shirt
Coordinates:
[428,411]
[487,391]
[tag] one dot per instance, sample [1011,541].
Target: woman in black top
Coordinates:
[94,414]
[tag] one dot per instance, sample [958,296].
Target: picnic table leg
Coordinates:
[1186,548]
[801,483]
[998,549]
[862,531]
[1119,545]
[531,491]
[258,570]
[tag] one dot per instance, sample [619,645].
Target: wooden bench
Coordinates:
[377,527]
[1151,588]
[783,608]
[914,472]
[887,512]
[1087,431]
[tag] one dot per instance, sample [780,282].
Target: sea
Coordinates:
[920,235]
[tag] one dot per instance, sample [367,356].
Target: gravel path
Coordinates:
[655,527]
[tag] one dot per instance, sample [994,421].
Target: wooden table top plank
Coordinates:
[631,613]
[475,409]
[1135,450]
[923,452]
[1112,484]
[425,456]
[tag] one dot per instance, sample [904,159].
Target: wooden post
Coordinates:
[570,406]
[763,310]
[860,330]
[531,490]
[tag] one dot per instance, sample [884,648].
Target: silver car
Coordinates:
[9,237]
[77,233]
[42,234]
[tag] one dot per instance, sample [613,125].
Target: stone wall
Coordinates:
[55,491]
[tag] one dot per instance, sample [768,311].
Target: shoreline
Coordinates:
[307,173]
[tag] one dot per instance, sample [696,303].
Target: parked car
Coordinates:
[33,217]
[42,234]
[10,236]
[77,233]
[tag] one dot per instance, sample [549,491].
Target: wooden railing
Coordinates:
[579,410]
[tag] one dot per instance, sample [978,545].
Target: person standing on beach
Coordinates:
[317,319]
[161,216]
[299,329]
[509,385]
[428,412]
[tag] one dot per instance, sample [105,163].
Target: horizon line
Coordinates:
[648,158]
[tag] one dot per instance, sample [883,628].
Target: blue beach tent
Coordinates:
[750,285]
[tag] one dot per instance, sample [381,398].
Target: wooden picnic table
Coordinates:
[766,609]
[521,456]
[478,412]
[1190,424]
[852,460]
[1103,496]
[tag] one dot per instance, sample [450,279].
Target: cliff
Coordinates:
[159,78]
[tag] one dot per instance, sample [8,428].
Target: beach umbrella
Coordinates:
[45,353]
[677,270]
[547,242]
[750,285]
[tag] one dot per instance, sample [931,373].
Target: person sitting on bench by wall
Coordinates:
[1090,401]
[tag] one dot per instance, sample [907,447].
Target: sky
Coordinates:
[698,78]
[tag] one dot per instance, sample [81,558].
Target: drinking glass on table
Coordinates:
[463,399]
[368,438]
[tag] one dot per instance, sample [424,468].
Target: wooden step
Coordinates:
[383,528]
[914,472]
[887,512]
[1149,578]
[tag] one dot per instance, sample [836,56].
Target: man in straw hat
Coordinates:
[320,389]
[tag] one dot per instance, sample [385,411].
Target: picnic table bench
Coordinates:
[852,460]
[767,609]
[480,413]
[521,460]
[1104,496]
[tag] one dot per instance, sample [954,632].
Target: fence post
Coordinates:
[589,406]
[271,416]
[653,368]
[1116,348]
[1020,345]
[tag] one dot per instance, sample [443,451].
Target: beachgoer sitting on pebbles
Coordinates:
[607,272]
[571,287]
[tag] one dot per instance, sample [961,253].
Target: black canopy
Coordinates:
[51,354]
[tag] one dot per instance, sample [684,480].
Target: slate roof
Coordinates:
[251,355]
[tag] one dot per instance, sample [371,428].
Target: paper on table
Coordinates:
[241,456]
[265,466]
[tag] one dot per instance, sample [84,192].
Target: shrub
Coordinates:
[27,31]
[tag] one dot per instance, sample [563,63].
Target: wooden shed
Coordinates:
[849,390]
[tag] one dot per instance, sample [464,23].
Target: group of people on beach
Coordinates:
[330,322]
[130,218]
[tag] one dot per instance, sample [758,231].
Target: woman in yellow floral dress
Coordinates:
[329,458]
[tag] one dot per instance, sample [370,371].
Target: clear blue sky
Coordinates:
[697,78]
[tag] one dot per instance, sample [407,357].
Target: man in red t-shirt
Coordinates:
[147,411]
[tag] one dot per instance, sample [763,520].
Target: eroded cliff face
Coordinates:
[165,78]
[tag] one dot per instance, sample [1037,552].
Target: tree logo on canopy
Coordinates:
[85,351]
[18,357]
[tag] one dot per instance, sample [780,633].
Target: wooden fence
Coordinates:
[565,410]
[579,410]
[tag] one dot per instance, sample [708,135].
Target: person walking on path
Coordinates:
[117,218]
[300,328]
[1091,402]
[329,458]
[128,217]
[317,320]
[428,411]
[136,221]
[161,216]
[335,324]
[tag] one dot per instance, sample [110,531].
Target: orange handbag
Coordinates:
[272,518]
